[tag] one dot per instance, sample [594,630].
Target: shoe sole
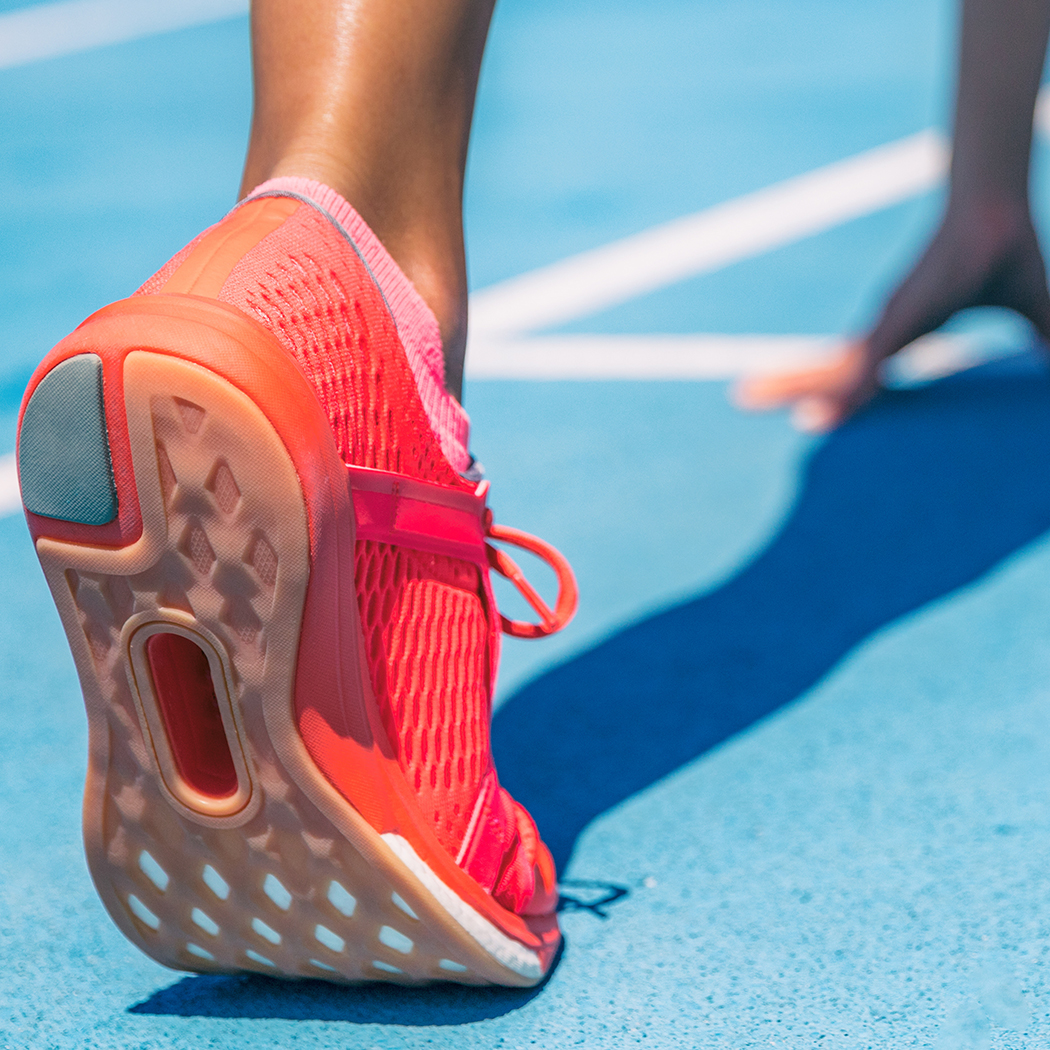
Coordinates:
[213,839]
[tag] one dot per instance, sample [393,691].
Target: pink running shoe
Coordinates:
[247,491]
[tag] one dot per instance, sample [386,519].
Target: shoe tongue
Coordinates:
[416,324]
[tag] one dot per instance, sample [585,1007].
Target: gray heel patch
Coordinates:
[63,450]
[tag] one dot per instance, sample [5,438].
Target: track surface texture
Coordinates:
[792,755]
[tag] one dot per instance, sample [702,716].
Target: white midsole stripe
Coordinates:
[502,948]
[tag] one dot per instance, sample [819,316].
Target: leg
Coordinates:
[985,252]
[375,99]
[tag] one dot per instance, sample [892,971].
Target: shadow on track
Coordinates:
[918,497]
[252,996]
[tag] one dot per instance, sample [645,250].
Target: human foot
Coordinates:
[244,485]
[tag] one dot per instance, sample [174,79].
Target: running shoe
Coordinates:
[270,552]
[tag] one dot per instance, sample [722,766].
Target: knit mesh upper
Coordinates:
[427,634]
[426,621]
[426,637]
[335,323]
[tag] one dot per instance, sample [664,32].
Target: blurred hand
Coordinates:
[984,254]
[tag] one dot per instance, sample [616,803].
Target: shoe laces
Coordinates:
[551,620]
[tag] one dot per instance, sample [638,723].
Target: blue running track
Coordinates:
[795,748]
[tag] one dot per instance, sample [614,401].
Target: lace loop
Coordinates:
[551,621]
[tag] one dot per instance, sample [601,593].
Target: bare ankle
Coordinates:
[443,288]
[421,231]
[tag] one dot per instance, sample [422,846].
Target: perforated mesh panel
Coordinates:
[426,637]
[425,626]
[325,309]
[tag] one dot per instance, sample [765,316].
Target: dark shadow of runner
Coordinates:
[254,996]
[918,497]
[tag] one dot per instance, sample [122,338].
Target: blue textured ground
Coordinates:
[803,719]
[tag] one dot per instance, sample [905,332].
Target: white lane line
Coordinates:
[708,240]
[10,499]
[716,237]
[644,356]
[688,357]
[608,357]
[50,30]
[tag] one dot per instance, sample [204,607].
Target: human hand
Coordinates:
[984,254]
